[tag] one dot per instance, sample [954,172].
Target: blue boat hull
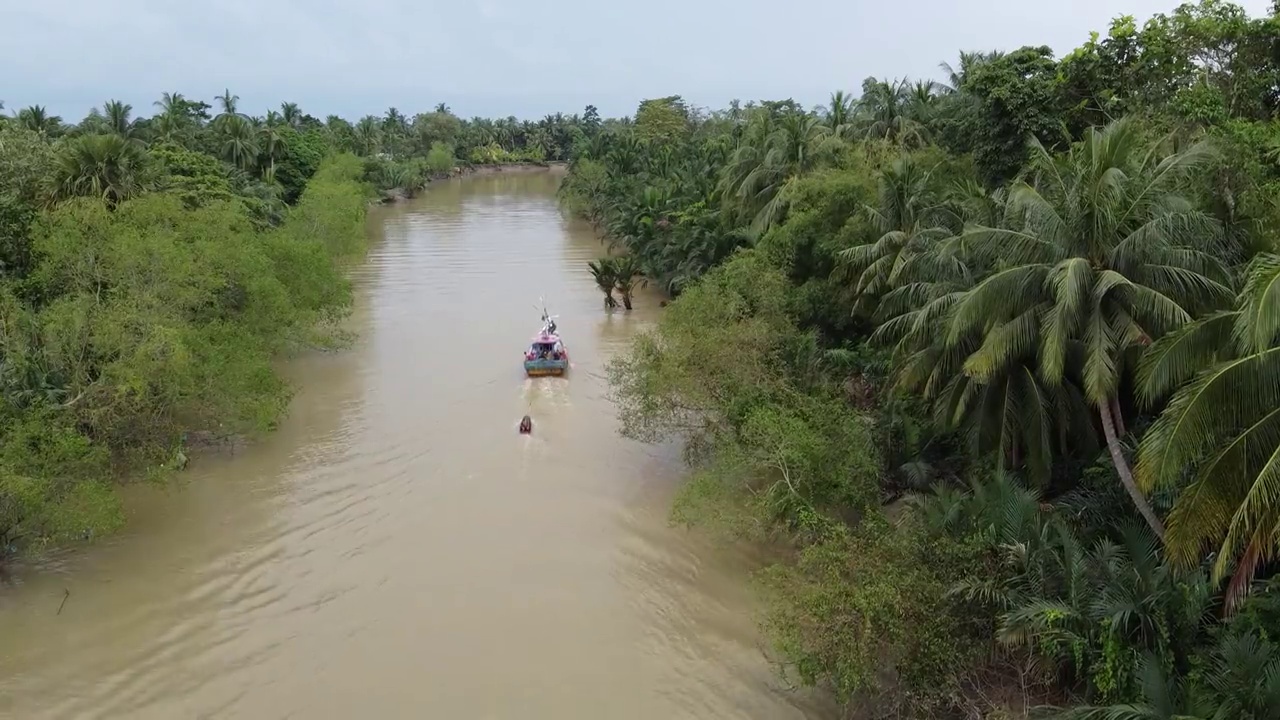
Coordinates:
[536,368]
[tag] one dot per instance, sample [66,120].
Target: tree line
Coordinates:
[277,148]
[995,354]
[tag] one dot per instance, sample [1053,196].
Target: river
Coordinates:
[396,550]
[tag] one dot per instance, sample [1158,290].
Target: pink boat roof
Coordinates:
[545,338]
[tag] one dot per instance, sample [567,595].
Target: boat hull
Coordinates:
[543,368]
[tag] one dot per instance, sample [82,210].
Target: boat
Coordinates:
[547,354]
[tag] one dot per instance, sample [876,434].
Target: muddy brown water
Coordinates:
[396,549]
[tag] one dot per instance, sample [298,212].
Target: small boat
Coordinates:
[547,354]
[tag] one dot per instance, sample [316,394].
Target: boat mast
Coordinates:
[548,323]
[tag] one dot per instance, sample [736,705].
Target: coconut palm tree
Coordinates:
[602,271]
[291,114]
[239,142]
[626,277]
[1103,257]
[911,221]
[839,114]
[103,166]
[887,112]
[969,61]
[769,157]
[1220,431]
[171,103]
[272,143]
[368,134]
[36,119]
[228,102]
[118,119]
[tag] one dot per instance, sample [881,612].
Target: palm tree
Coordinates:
[1221,430]
[239,141]
[107,166]
[171,103]
[969,61]
[911,221]
[272,143]
[626,277]
[769,157]
[38,120]
[887,111]
[839,114]
[1102,257]
[368,135]
[228,103]
[291,114]
[602,271]
[173,119]
[118,119]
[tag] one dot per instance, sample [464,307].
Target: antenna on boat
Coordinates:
[548,321]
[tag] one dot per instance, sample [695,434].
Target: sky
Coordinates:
[506,57]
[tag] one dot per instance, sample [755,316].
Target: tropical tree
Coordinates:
[911,221]
[36,119]
[839,114]
[1220,434]
[368,135]
[626,277]
[228,103]
[291,114]
[271,143]
[770,156]
[1102,257]
[238,141]
[602,271]
[108,167]
[118,119]
[887,112]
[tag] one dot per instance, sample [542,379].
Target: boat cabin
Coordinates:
[545,347]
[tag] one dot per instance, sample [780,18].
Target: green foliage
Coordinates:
[198,179]
[662,119]
[155,316]
[998,286]
[867,614]
[1016,100]
[26,163]
[16,218]
[303,154]
[440,158]
[107,167]
[725,369]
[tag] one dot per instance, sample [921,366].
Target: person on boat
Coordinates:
[526,425]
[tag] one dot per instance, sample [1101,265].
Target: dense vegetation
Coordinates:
[271,156]
[998,355]
[152,268]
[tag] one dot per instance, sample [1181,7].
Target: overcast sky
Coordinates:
[505,57]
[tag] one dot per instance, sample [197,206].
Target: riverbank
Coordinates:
[164,338]
[400,194]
